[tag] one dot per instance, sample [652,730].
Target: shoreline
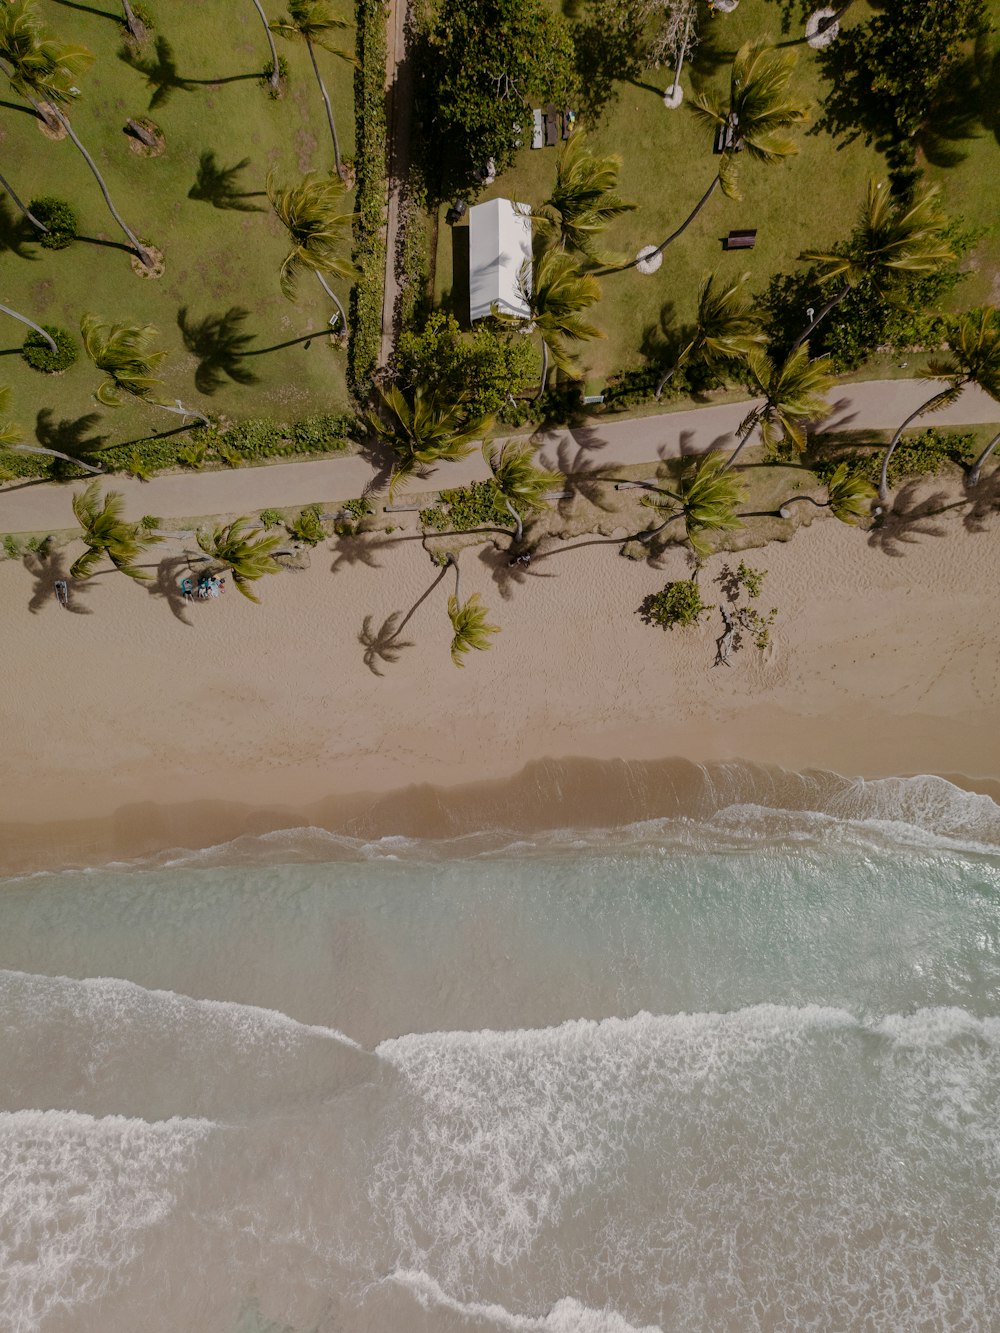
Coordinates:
[579,795]
[143,721]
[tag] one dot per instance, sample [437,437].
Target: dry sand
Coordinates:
[142,723]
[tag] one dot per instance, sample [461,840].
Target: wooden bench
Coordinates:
[551,126]
[740,240]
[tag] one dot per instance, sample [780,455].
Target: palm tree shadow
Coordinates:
[69,436]
[985,502]
[216,185]
[508,576]
[362,548]
[162,74]
[384,644]
[46,569]
[89,9]
[219,344]
[167,585]
[909,519]
[16,232]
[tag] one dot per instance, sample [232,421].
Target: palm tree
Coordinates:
[974,473]
[313,214]
[584,199]
[126,354]
[973,341]
[559,293]
[311,22]
[794,394]
[106,533]
[40,68]
[726,326]
[756,118]
[849,496]
[518,479]
[425,432]
[891,241]
[471,629]
[247,557]
[274,79]
[706,499]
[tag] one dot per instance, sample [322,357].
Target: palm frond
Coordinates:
[470,627]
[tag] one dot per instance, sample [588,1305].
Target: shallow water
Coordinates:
[737,1071]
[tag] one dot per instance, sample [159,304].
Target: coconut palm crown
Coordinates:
[38,65]
[706,498]
[849,495]
[584,199]
[726,326]
[520,482]
[424,432]
[471,630]
[248,558]
[794,394]
[318,223]
[107,535]
[126,354]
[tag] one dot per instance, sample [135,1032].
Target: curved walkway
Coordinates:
[871,405]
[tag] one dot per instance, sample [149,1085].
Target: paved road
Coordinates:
[875,405]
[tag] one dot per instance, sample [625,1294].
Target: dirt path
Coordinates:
[399,90]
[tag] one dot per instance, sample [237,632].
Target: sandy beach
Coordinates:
[142,722]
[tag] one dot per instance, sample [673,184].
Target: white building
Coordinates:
[499,253]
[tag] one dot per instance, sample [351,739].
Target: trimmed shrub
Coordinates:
[58,217]
[40,356]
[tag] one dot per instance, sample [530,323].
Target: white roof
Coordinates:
[499,249]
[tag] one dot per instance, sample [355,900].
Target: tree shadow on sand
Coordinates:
[219,343]
[384,644]
[46,567]
[909,518]
[984,503]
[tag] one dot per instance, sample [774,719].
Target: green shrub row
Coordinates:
[246,442]
[372,184]
[920,455]
[466,508]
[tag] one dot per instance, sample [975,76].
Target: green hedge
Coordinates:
[246,442]
[372,186]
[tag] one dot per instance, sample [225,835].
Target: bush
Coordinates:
[40,356]
[475,506]
[322,434]
[434,518]
[308,527]
[751,579]
[358,509]
[486,369]
[369,242]
[271,518]
[11,547]
[58,217]
[679,603]
[920,455]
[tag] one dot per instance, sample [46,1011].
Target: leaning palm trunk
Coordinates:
[825,310]
[329,110]
[938,400]
[545,370]
[23,207]
[180,410]
[332,295]
[518,524]
[54,453]
[668,375]
[674,234]
[973,475]
[273,81]
[754,422]
[136,29]
[5,309]
[143,254]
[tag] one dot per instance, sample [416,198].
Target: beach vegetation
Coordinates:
[705,499]
[678,603]
[359,508]
[244,550]
[271,518]
[750,579]
[521,486]
[557,296]
[794,395]
[107,535]
[308,527]
[423,431]
[972,341]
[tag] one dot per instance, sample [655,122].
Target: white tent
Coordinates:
[499,251]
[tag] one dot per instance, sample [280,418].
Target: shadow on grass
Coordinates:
[16,232]
[89,9]
[162,75]
[71,436]
[219,343]
[217,185]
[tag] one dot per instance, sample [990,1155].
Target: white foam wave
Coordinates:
[76,1195]
[566,1316]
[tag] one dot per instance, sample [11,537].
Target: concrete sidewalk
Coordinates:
[873,405]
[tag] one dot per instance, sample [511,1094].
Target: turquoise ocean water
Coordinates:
[734,1072]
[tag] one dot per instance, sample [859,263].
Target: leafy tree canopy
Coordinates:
[485,370]
[885,74]
[484,64]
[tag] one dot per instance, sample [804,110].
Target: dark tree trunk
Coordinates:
[929,406]
[674,234]
[518,525]
[23,207]
[972,478]
[137,30]
[669,374]
[545,370]
[31,325]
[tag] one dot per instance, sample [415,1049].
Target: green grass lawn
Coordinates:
[807,202]
[205,98]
